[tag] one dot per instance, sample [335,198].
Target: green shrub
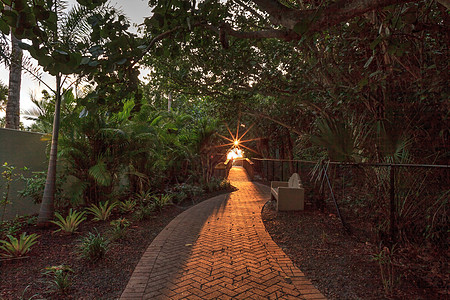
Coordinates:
[143,213]
[93,246]
[13,226]
[59,278]
[185,191]
[8,176]
[102,211]
[216,184]
[143,198]
[34,186]
[17,247]
[127,205]
[71,222]
[119,228]
[9,228]
[150,203]
[225,184]
[158,202]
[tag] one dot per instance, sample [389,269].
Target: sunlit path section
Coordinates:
[219,249]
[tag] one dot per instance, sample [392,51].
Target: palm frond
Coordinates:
[100,173]
[74,25]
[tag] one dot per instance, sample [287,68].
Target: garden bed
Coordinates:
[336,263]
[105,279]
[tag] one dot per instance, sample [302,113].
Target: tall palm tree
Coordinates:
[15,80]
[3,96]
[71,28]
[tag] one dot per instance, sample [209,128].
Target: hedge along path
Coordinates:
[219,249]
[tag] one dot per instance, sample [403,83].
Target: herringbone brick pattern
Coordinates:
[219,249]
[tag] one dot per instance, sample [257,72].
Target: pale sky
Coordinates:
[135,10]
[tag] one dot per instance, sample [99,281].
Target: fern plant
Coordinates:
[71,222]
[102,211]
[17,247]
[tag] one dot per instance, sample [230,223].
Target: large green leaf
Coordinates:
[4,28]
[100,173]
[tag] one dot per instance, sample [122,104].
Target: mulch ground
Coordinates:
[340,266]
[105,279]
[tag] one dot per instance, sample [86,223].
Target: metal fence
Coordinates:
[375,201]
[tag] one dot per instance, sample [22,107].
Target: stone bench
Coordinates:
[290,195]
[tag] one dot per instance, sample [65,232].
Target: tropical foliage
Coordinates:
[93,246]
[59,278]
[71,222]
[17,247]
[102,211]
[312,80]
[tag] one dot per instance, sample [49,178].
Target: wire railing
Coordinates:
[376,201]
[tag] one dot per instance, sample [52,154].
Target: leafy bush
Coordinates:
[34,186]
[158,202]
[149,203]
[18,247]
[102,211]
[8,176]
[225,184]
[59,278]
[143,213]
[144,198]
[93,246]
[127,205]
[13,226]
[185,191]
[9,228]
[71,222]
[216,184]
[119,228]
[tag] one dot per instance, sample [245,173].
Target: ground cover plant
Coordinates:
[17,247]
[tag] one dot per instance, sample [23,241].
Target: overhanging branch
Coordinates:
[320,19]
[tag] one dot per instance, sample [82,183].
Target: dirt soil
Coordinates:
[336,263]
[105,279]
[102,280]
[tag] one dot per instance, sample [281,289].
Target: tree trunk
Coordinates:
[15,78]
[48,200]
[290,152]
[169,102]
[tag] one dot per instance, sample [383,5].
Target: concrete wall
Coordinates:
[21,149]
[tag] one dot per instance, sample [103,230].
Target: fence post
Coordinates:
[273,170]
[266,170]
[282,170]
[392,207]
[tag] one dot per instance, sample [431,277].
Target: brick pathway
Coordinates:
[219,249]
